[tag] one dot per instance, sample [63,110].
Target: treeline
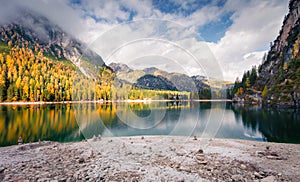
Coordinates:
[242,87]
[285,84]
[209,93]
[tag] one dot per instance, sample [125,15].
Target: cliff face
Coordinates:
[279,73]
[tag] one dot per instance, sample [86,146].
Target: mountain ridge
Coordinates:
[180,81]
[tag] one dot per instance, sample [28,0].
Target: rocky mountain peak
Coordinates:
[120,67]
[284,48]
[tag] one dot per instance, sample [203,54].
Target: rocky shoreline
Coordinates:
[151,158]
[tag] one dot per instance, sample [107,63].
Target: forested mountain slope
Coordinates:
[41,62]
[276,82]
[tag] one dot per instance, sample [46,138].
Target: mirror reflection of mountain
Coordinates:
[274,125]
[74,122]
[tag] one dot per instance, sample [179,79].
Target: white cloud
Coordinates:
[255,24]
[138,40]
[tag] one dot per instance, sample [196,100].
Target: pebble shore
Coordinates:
[151,158]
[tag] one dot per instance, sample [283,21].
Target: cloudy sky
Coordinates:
[190,36]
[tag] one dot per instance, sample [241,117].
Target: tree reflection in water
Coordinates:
[74,122]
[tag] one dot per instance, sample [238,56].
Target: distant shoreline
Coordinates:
[109,101]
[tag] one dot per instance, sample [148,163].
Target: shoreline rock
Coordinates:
[151,158]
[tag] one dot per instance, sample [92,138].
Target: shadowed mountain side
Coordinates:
[154,83]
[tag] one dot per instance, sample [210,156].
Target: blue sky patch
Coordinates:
[173,7]
[215,30]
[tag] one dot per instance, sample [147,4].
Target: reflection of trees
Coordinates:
[34,122]
[60,122]
[275,125]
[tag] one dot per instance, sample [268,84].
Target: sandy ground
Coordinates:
[151,158]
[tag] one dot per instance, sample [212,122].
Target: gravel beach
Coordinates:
[151,158]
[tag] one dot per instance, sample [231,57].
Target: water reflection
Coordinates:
[37,122]
[274,125]
[73,122]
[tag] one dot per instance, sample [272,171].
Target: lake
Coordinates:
[75,122]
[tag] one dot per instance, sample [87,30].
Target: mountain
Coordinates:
[284,49]
[119,67]
[152,82]
[141,78]
[126,74]
[199,81]
[37,32]
[152,70]
[41,62]
[277,80]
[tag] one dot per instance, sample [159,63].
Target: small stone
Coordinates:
[160,155]
[237,177]
[62,180]
[181,180]
[105,168]
[268,179]
[274,157]
[184,168]
[195,137]
[200,157]
[268,147]
[203,162]
[257,175]
[243,166]
[259,153]
[101,178]
[143,138]
[2,169]
[200,151]
[274,154]
[261,173]
[81,160]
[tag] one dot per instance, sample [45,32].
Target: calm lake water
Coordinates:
[74,122]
